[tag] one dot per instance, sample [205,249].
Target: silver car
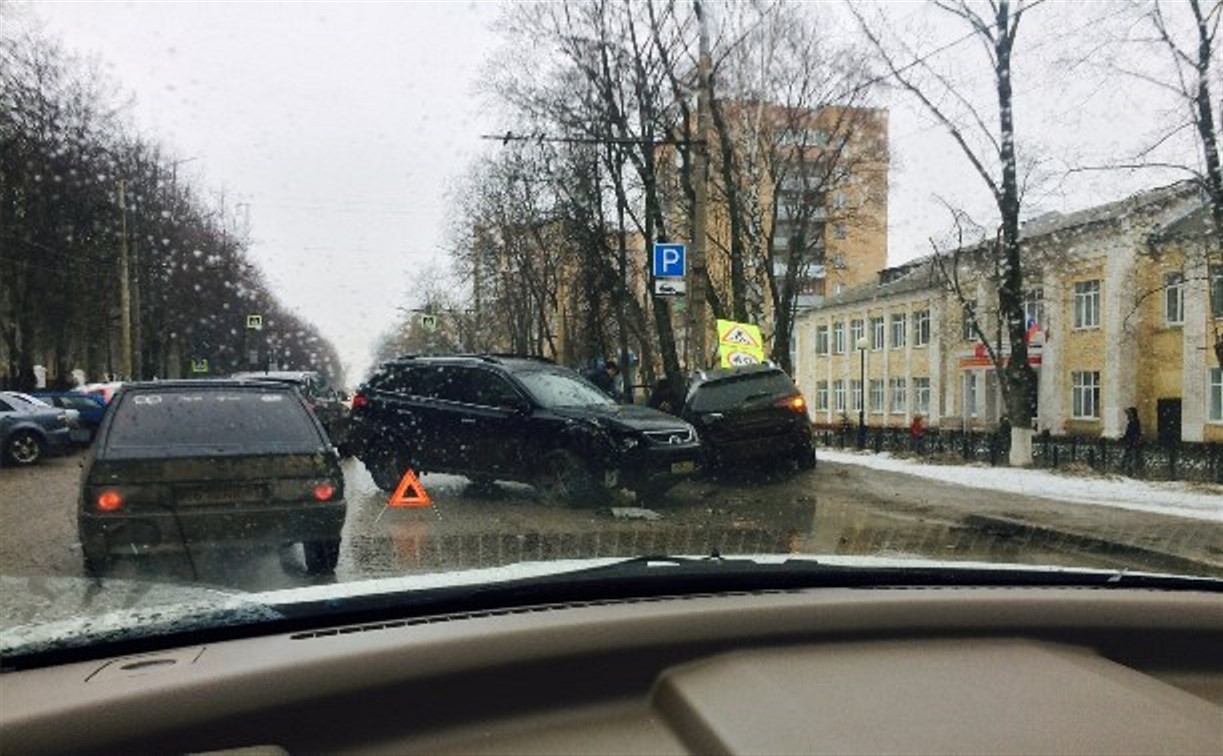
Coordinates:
[29,430]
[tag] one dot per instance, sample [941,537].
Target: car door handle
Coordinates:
[468,421]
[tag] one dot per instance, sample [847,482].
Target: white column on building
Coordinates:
[1195,344]
[1119,380]
[886,355]
[935,360]
[831,411]
[911,325]
[1052,390]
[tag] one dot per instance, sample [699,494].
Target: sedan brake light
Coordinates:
[110,501]
[324,492]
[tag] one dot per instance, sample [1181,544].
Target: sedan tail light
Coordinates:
[324,492]
[359,401]
[110,500]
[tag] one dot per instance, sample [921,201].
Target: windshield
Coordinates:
[373,292]
[553,389]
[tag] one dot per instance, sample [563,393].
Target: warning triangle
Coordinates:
[410,493]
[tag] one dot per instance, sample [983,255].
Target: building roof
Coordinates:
[921,273]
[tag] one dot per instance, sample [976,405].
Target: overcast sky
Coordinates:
[342,125]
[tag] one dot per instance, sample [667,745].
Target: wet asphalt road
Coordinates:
[835,509]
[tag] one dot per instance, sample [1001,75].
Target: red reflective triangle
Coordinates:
[410,493]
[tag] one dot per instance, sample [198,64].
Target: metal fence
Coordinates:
[1199,462]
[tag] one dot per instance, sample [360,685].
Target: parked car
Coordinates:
[181,464]
[29,431]
[326,402]
[514,418]
[104,391]
[89,409]
[748,415]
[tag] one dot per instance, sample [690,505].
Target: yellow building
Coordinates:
[1119,313]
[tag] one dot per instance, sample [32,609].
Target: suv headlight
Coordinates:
[627,443]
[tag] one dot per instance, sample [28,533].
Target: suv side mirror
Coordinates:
[520,407]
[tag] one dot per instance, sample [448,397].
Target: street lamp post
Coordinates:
[862,393]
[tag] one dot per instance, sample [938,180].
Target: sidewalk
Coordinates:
[1175,499]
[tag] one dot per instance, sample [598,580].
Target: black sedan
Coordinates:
[180,464]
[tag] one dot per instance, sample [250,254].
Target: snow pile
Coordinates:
[1169,498]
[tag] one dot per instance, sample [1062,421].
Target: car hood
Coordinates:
[623,417]
[75,613]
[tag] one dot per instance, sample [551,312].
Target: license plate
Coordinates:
[220,495]
[682,468]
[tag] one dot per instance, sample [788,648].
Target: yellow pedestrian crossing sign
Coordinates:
[199,366]
[739,344]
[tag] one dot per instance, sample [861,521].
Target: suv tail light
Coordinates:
[359,401]
[110,500]
[796,403]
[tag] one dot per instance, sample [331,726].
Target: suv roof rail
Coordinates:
[484,356]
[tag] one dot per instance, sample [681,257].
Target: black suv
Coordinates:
[515,418]
[750,414]
[326,403]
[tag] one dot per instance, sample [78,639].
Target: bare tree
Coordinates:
[991,151]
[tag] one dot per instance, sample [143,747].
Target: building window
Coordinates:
[855,395]
[838,396]
[1087,304]
[838,338]
[821,395]
[1085,394]
[840,200]
[921,396]
[821,339]
[877,396]
[839,231]
[1174,299]
[1034,308]
[967,317]
[899,330]
[857,330]
[877,334]
[900,395]
[970,395]
[1215,394]
[921,328]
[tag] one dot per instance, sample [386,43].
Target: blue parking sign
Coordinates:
[669,260]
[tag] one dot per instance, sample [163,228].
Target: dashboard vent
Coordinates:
[459,616]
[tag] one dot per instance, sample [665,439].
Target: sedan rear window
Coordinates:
[733,391]
[217,419]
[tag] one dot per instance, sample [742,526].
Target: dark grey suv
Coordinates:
[512,418]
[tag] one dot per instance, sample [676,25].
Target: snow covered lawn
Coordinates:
[1194,501]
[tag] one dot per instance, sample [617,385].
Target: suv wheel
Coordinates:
[805,458]
[321,556]
[386,475]
[565,479]
[24,448]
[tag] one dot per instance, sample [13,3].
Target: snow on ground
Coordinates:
[1169,498]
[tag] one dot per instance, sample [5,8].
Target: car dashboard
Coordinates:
[828,670]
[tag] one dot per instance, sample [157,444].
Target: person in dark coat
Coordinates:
[1131,442]
[605,378]
[662,397]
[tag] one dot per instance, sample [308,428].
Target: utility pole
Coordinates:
[698,327]
[125,292]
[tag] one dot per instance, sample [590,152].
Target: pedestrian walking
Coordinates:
[662,397]
[1131,442]
[917,432]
